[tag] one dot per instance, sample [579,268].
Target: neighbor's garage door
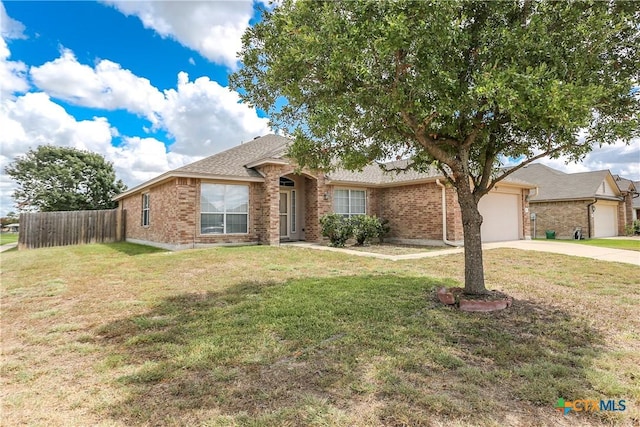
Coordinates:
[501,217]
[605,220]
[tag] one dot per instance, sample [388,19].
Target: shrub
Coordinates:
[365,228]
[337,228]
[636,226]
[383,229]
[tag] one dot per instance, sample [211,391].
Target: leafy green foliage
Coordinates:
[459,85]
[362,228]
[54,178]
[365,228]
[337,228]
[11,218]
[367,79]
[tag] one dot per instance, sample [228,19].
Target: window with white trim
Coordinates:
[145,210]
[348,203]
[224,209]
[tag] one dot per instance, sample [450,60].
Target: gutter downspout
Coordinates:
[589,216]
[444,218]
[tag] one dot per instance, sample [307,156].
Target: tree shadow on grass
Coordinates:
[332,349]
[133,249]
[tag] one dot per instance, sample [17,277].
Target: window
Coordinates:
[145,210]
[224,209]
[286,182]
[349,202]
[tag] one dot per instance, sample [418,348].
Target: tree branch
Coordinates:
[525,163]
[428,143]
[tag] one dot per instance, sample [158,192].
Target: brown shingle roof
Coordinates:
[387,173]
[236,163]
[625,184]
[556,185]
[232,162]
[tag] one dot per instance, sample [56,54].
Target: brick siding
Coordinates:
[562,217]
[414,211]
[163,214]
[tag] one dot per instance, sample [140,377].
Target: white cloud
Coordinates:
[13,74]
[213,28]
[10,28]
[141,159]
[106,86]
[203,116]
[34,119]
[620,158]
[206,118]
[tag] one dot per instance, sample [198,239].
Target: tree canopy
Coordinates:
[461,85]
[54,178]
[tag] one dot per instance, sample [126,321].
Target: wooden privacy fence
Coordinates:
[44,229]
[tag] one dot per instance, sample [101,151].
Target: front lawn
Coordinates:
[123,335]
[8,238]
[628,244]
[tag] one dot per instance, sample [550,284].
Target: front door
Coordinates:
[284,214]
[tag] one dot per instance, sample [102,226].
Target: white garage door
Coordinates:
[605,222]
[501,217]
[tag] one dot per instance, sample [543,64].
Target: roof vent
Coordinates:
[256,137]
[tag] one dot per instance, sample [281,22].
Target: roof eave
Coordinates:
[576,199]
[268,161]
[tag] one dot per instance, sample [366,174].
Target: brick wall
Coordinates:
[174,216]
[415,212]
[271,203]
[455,232]
[316,205]
[562,217]
[625,214]
[163,214]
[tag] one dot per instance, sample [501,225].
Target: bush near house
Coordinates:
[362,228]
[365,228]
[337,228]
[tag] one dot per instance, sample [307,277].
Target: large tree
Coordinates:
[54,178]
[456,84]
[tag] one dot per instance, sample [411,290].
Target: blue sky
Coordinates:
[144,84]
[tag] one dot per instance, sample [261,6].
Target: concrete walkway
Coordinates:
[573,249]
[8,246]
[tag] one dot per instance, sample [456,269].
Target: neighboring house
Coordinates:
[252,194]
[11,228]
[629,192]
[590,202]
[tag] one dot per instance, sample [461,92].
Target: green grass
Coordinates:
[126,335]
[8,238]
[628,244]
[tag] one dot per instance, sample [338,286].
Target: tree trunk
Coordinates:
[471,222]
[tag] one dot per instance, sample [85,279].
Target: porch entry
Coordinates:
[291,208]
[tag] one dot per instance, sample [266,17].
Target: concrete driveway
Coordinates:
[553,246]
[573,249]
